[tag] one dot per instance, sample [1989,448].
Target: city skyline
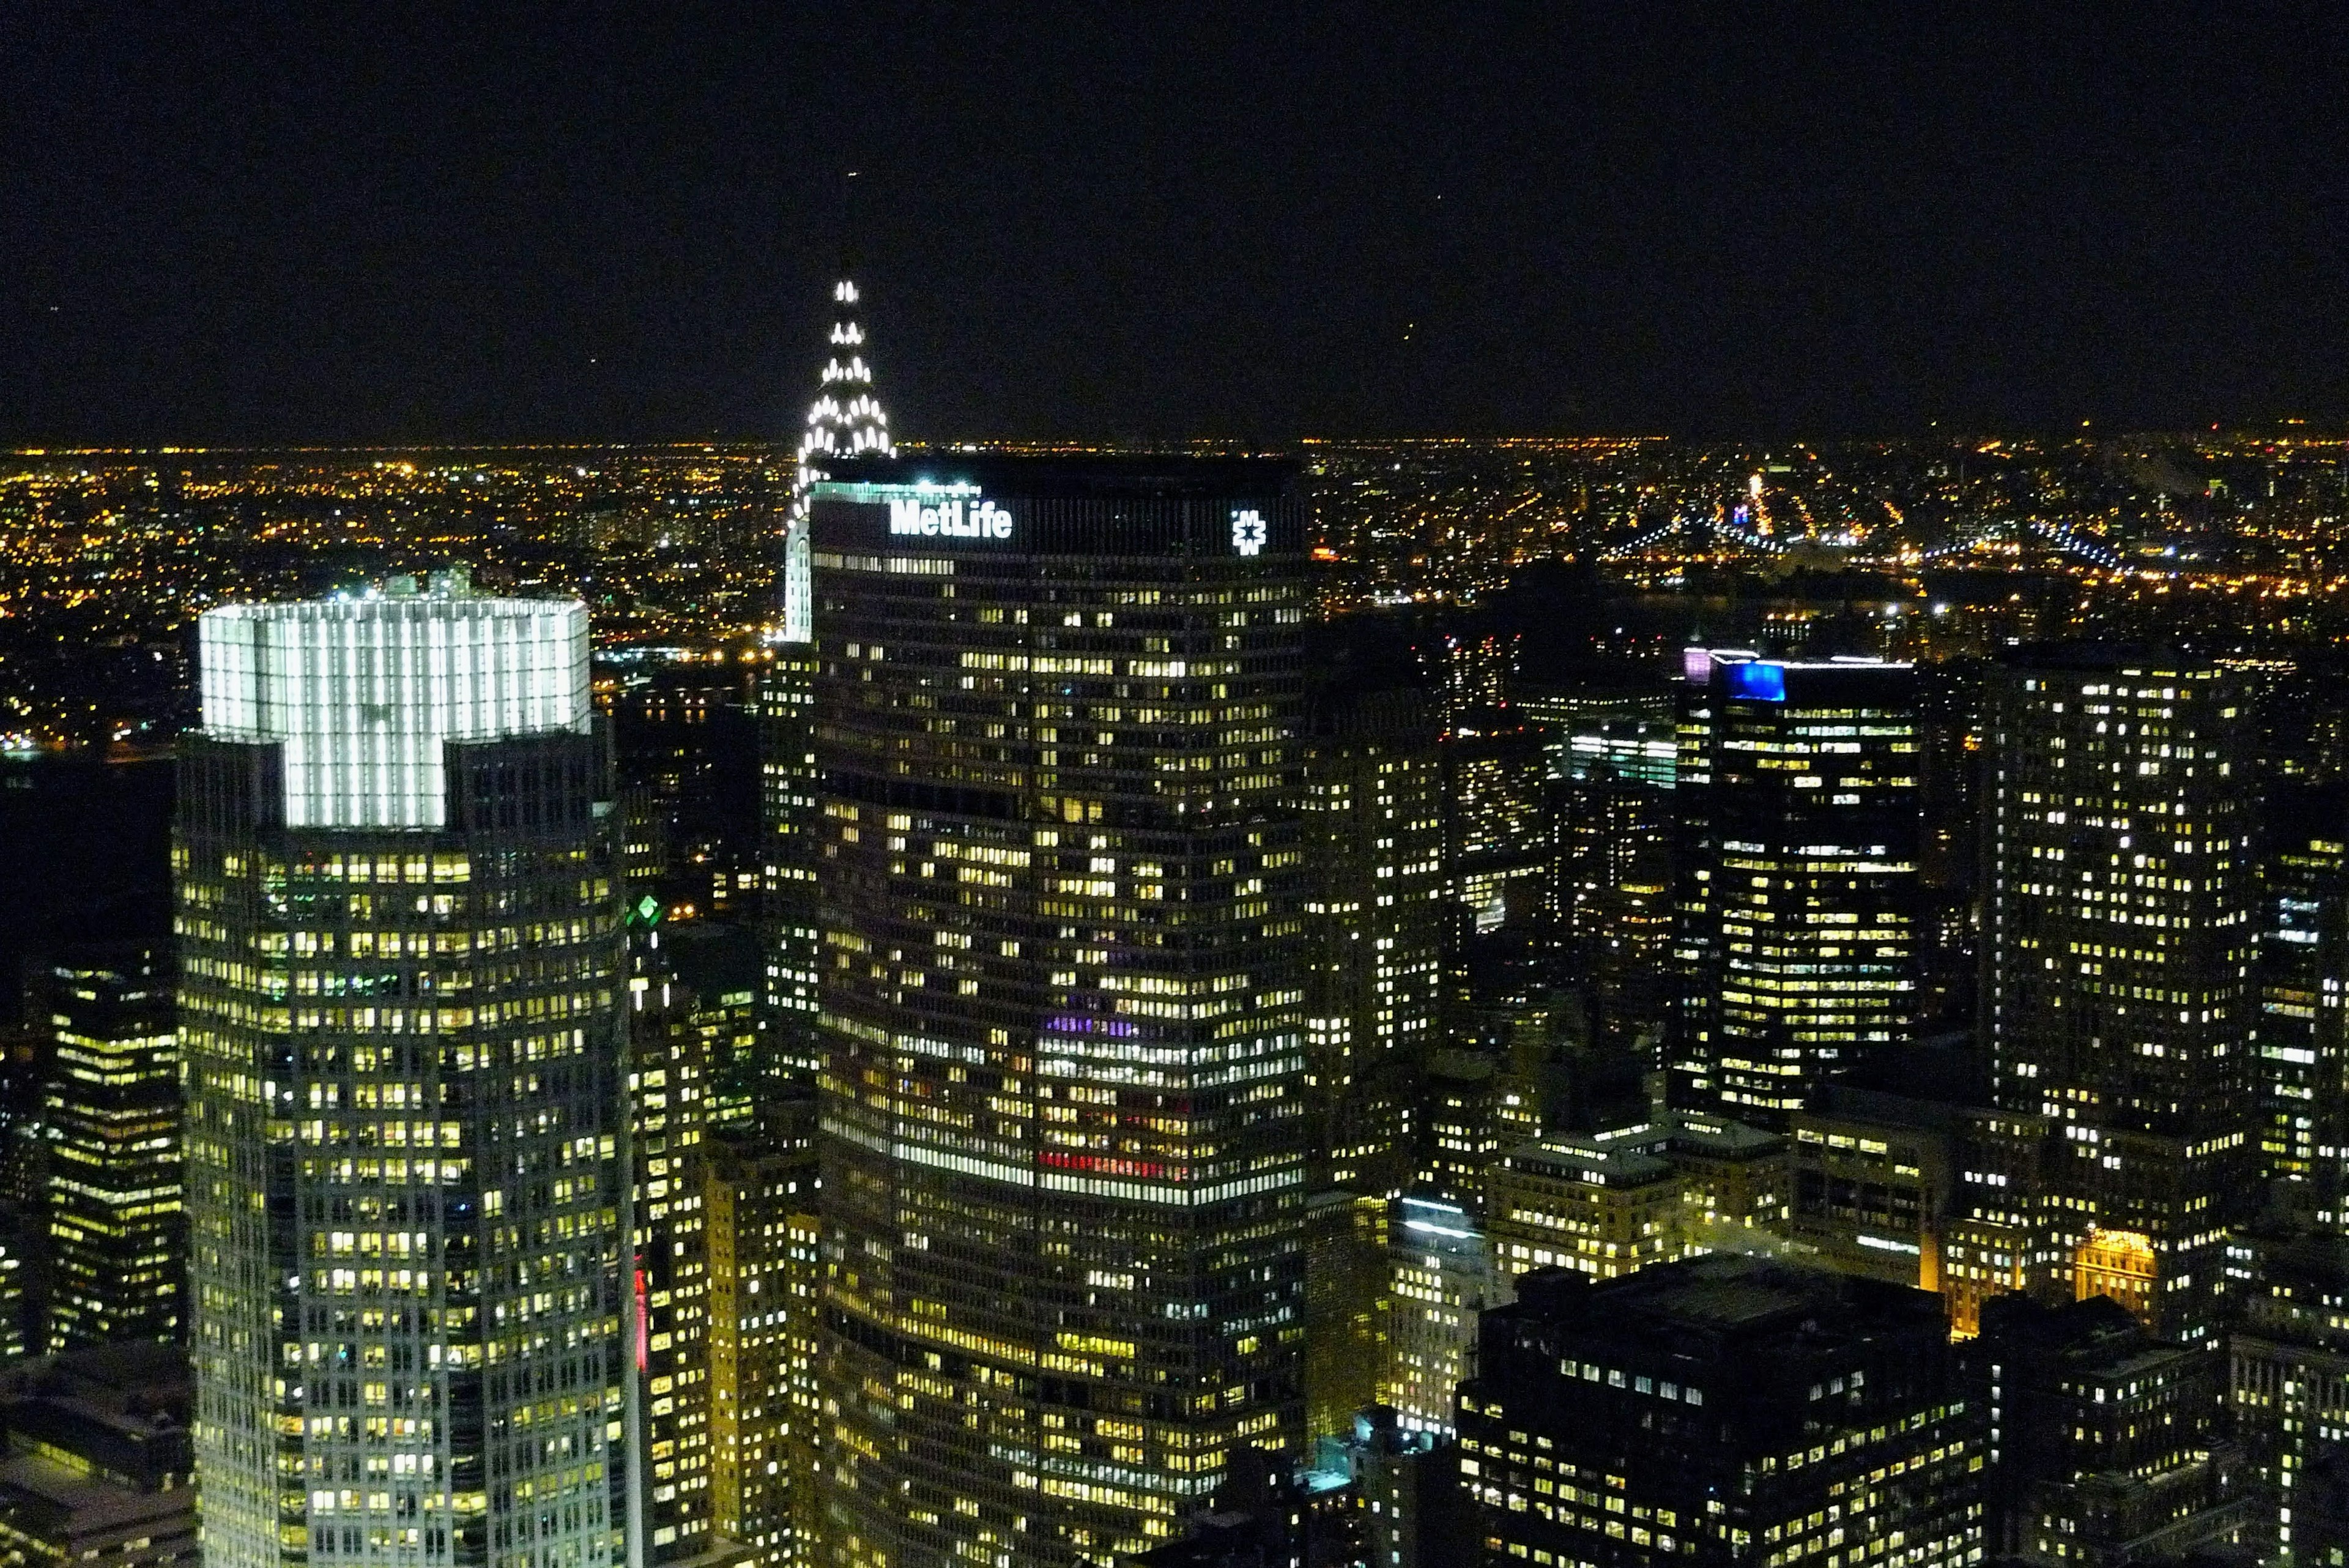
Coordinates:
[840,997]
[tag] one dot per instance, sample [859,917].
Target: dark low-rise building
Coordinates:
[2109,1445]
[98,1465]
[1721,1410]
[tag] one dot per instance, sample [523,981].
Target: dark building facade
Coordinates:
[2111,1446]
[1723,1411]
[117,1252]
[1797,798]
[1060,875]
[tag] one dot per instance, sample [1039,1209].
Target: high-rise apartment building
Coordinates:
[1798,795]
[405,1165]
[111,1161]
[1063,986]
[2118,943]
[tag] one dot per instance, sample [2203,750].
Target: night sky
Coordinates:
[1256,221]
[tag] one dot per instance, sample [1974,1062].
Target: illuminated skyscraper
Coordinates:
[407,1178]
[2304,1089]
[111,1114]
[2117,940]
[669,1079]
[761,1189]
[1376,920]
[845,421]
[1064,1150]
[1798,795]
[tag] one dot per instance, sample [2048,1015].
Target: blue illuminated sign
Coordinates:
[1761,683]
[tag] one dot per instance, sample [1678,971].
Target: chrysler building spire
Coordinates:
[846,420]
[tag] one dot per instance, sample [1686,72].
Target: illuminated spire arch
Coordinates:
[846,420]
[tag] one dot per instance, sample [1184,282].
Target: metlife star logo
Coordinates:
[1249,532]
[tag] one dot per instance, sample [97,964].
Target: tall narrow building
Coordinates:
[669,1079]
[2117,942]
[1377,919]
[1799,818]
[2302,1063]
[761,1189]
[111,1160]
[406,1163]
[844,422]
[1064,1131]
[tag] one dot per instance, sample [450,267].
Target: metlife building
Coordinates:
[1060,885]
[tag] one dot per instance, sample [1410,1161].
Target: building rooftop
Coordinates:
[1576,1159]
[81,1505]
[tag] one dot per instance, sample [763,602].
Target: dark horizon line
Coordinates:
[2284,429]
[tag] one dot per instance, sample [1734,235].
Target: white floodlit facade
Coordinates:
[362,692]
[401,1020]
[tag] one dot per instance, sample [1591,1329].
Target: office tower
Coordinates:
[1948,860]
[1725,1409]
[1582,1204]
[788,931]
[844,422]
[761,1189]
[1613,760]
[1499,857]
[2302,1117]
[1629,731]
[1442,1276]
[406,1172]
[1413,1509]
[1469,673]
[1614,901]
[25,1054]
[117,1243]
[1874,1175]
[714,969]
[2107,1444]
[1346,1307]
[18,1330]
[1798,800]
[1462,1107]
[1063,997]
[1927,1186]
[1375,916]
[1268,1512]
[2117,940]
[669,1104]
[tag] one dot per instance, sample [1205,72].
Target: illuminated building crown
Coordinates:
[846,420]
